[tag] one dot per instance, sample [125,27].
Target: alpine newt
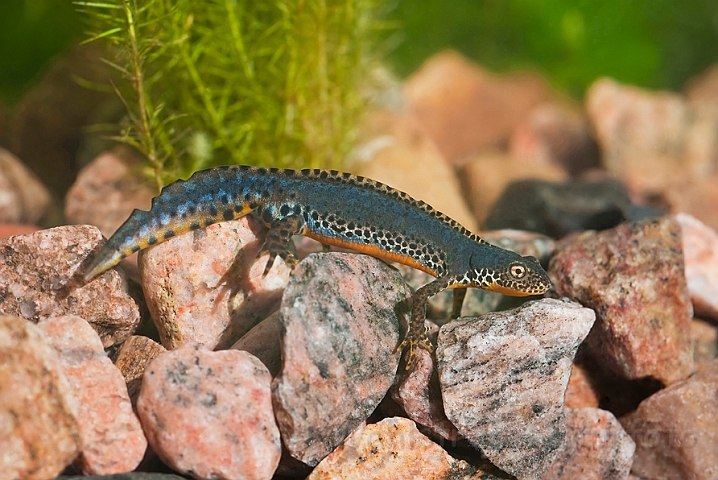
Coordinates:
[336,209]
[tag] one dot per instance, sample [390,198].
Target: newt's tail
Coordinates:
[207,197]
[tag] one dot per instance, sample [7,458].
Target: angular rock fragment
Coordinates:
[553,134]
[39,435]
[206,286]
[633,277]
[675,429]
[466,109]
[112,438]
[418,393]
[41,278]
[705,342]
[651,139]
[209,414]
[264,342]
[392,448]
[597,448]
[580,393]
[132,360]
[503,378]
[341,316]
[700,250]
[106,192]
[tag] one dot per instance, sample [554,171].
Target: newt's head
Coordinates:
[509,273]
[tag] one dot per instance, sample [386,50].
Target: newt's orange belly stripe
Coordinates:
[372,250]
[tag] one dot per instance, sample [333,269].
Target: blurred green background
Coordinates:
[650,43]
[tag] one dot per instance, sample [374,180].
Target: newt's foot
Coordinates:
[289,258]
[413,341]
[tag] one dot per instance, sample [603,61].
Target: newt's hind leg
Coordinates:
[417,331]
[279,241]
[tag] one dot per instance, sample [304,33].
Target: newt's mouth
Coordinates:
[495,287]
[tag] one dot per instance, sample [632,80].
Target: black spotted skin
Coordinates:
[336,209]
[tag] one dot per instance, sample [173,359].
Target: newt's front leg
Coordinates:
[416,335]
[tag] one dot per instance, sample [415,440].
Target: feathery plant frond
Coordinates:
[274,83]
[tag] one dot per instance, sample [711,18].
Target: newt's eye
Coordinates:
[518,271]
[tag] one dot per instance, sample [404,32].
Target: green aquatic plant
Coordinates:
[213,82]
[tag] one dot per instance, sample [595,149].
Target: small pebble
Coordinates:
[580,392]
[651,139]
[132,360]
[391,449]
[209,414]
[23,198]
[555,134]
[418,393]
[467,109]
[700,249]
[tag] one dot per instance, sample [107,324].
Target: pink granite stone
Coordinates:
[597,448]
[206,286]
[580,393]
[633,277]
[465,108]
[700,250]
[112,438]
[340,315]
[503,377]
[391,449]
[209,414]
[418,393]
[41,278]
[39,435]
[675,430]
[132,359]
[23,198]
[555,134]
[705,342]
[105,193]
[264,342]
[107,190]
[651,139]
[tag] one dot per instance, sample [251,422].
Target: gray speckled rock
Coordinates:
[503,378]
[341,329]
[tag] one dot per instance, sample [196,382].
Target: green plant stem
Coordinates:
[138,77]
